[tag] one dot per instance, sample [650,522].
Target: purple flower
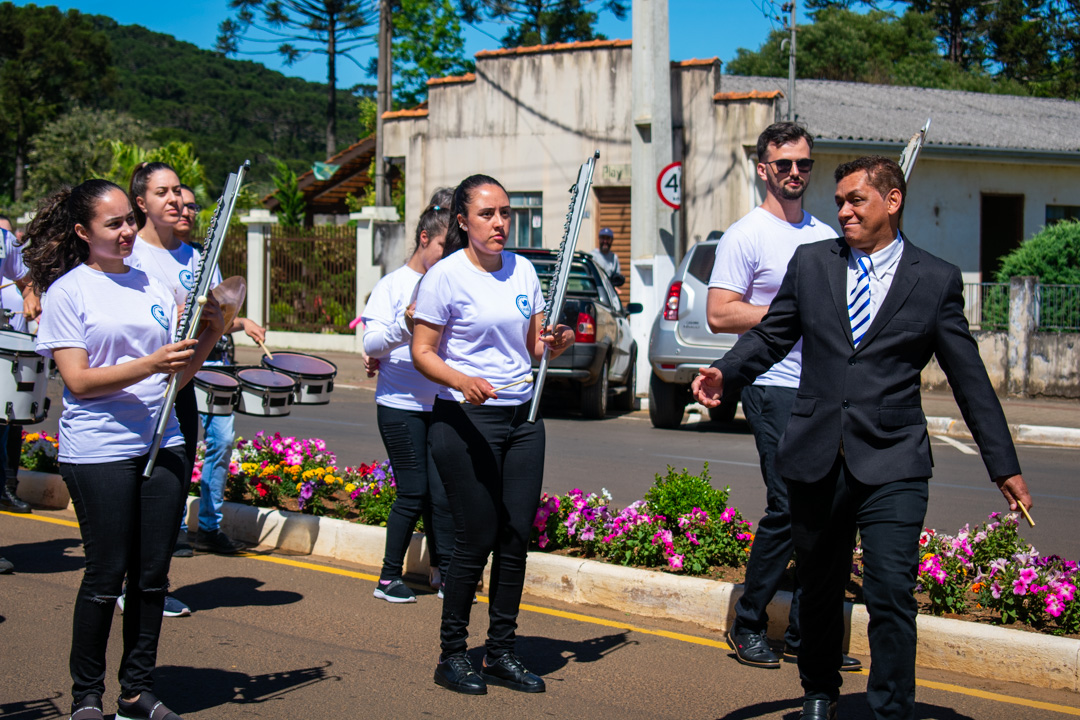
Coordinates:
[587,534]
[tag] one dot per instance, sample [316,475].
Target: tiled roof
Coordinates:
[696,62]
[554,47]
[451,79]
[889,113]
[748,95]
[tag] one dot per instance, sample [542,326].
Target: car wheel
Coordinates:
[594,397]
[628,400]
[667,402]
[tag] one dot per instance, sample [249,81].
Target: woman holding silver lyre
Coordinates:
[477,327]
[156,197]
[403,398]
[109,328]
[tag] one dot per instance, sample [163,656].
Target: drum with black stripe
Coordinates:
[314,375]
[24,377]
[215,392]
[264,392]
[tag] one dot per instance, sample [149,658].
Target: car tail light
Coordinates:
[585,330]
[671,305]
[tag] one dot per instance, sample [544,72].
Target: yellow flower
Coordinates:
[32,437]
[350,487]
[927,556]
[298,486]
[329,479]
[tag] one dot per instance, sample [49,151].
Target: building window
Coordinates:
[1057,213]
[526,220]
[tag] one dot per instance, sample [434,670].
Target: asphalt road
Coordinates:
[276,637]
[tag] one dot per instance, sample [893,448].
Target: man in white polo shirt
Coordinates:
[751,260]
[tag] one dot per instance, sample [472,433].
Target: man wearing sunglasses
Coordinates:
[751,260]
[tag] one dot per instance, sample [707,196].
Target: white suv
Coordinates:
[681,343]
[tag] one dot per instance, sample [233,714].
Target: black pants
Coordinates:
[889,518]
[128,525]
[14,455]
[420,492]
[187,415]
[767,410]
[491,461]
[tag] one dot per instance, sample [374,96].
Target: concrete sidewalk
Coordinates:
[1036,420]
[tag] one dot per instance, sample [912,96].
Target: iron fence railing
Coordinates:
[312,275]
[233,259]
[986,306]
[1057,308]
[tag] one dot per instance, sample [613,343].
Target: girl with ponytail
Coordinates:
[108,327]
[403,398]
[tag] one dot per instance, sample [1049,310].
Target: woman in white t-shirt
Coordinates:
[477,327]
[108,327]
[404,398]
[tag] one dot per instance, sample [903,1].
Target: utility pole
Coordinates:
[382,100]
[790,9]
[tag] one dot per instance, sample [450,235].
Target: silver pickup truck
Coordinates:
[681,343]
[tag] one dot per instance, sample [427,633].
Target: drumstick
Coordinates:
[526,379]
[7,285]
[265,351]
[1027,515]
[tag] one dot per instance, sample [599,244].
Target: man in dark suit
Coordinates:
[872,310]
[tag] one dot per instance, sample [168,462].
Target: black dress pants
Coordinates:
[491,461]
[889,519]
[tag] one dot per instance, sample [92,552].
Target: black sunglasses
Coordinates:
[784,166]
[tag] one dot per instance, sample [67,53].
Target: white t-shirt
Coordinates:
[115,318]
[175,269]
[387,337]
[11,299]
[485,318]
[752,258]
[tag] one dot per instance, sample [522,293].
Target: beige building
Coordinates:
[995,169]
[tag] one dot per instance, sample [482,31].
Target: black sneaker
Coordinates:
[394,591]
[509,672]
[88,709]
[147,707]
[456,673]
[847,663]
[10,502]
[182,550]
[752,648]
[217,542]
[5,566]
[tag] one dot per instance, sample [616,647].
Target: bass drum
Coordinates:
[264,392]
[314,376]
[24,378]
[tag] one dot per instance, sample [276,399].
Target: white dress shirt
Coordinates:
[884,261]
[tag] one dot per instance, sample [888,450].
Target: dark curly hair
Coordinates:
[51,247]
[140,180]
[456,237]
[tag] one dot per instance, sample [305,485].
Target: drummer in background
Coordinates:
[403,398]
[109,328]
[15,282]
[218,432]
[477,327]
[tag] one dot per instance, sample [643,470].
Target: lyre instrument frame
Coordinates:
[910,154]
[188,326]
[560,276]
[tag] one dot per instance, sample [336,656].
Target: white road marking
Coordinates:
[957,444]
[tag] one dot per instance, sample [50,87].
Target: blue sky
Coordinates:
[699,29]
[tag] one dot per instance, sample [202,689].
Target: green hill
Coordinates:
[228,109]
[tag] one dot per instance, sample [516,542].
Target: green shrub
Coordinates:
[679,492]
[1052,255]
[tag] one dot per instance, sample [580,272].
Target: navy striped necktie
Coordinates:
[859,307]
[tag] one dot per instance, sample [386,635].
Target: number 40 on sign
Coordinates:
[669,185]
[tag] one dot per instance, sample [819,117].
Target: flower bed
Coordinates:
[39,451]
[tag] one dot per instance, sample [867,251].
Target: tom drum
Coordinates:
[314,376]
[24,377]
[264,392]
[215,392]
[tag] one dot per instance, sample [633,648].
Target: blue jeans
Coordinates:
[219,435]
[768,409]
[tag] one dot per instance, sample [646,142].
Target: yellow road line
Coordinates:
[578,617]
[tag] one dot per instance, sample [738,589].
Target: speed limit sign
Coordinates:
[669,185]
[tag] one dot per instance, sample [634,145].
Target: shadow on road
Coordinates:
[546,655]
[850,707]
[194,689]
[233,592]
[50,556]
[42,709]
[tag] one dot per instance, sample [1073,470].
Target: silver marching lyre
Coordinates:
[560,275]
[193,308]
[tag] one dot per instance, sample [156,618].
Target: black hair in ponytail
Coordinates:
[456,237]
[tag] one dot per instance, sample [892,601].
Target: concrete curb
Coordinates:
[955,645]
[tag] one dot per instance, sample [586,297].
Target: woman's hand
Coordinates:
[213,316]
[476,390]
[253,330]
[557,340]
[172,358]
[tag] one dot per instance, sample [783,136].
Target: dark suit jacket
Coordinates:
[867,400]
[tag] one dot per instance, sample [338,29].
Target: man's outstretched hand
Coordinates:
[708,387]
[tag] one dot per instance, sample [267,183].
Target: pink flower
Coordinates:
[728,515]
[1054,606]
[543,541]
[675,562]
[1028,575]
[1020,587]
[995,590]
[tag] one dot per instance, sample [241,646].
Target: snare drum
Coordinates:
[24,377]
[264,392]
[314,376]
[215,392]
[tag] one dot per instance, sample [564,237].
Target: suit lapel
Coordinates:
[838,287]
[904,281]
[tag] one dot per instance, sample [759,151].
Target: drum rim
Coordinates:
[30,338]
[244,383]
[200,382]
[300,374]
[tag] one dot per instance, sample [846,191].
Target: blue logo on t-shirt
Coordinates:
[187,279]
[524,306]
[159,314]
